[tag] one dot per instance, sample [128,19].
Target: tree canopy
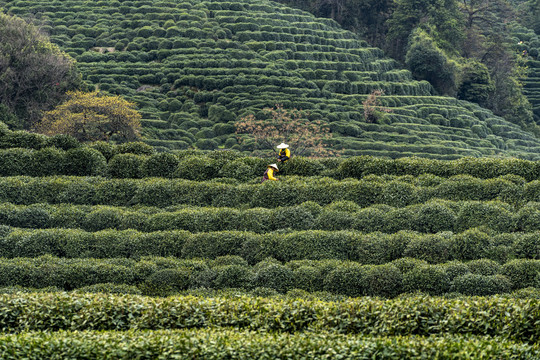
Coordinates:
[278,125]
[93,117]
[34,74]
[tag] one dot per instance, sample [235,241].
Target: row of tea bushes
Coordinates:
[430,217]
[165,276]
[136,160]
[290,191]
[227,344]
[33,141]
[509,319]
[370,248]
[367,248]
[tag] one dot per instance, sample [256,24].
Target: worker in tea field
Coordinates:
[284,152]
[269,173]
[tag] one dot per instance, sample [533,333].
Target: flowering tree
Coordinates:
[372,109]
[281,125]
[92,117]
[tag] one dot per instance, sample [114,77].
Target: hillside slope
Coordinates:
[195,66]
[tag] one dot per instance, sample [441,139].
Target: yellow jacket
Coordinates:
[270,174]
[284,154]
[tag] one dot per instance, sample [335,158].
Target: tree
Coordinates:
[427,62]
[34,74]
[372,109]
[441,17]
[476,85]
[93,117]
[281,125]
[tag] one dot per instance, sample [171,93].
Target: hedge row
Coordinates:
[164,276]
[27,140]
[354,167]
[484,168]
[512,319]
[135,160]
[233,344]
[287,192]
[430,217]
[366,248]
[78,161]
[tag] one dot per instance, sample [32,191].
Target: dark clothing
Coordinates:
[283,155]
[265,176]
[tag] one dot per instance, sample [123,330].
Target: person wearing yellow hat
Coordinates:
[269,173]
[284,152]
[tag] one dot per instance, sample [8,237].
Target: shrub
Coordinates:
[106,149]
[399,194]
[105,218]
[238,169]
[15,162]
[63,142]
[315,245]
[522,273]
[335,220]
[33,216]
[196,168]
[456,268]
[481,285]
[344,205]
[229,260]
[473,214]
[434,217]
[484,267]
[233,276]
[369,248]
[308,278]
[85,161]
[431,248]
[431,279]
[160,165]
[274,276]
[348,280]
[47,162]
[126,166]
[384,280]
[166,282]
[527,246]
[469,245]
[137,148]
[295,217]
[370,219]
[400,219]
[214,245]
[302,166]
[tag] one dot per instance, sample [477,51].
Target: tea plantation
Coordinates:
[194,67]
[119,252]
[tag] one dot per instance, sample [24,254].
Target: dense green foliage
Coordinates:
[464,48]
[397,192]
[223,344]
[340,256]
[34,74]
[195,67]
[166,276]
[509,319]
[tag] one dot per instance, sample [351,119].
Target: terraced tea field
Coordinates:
[342,258]
[194,67]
